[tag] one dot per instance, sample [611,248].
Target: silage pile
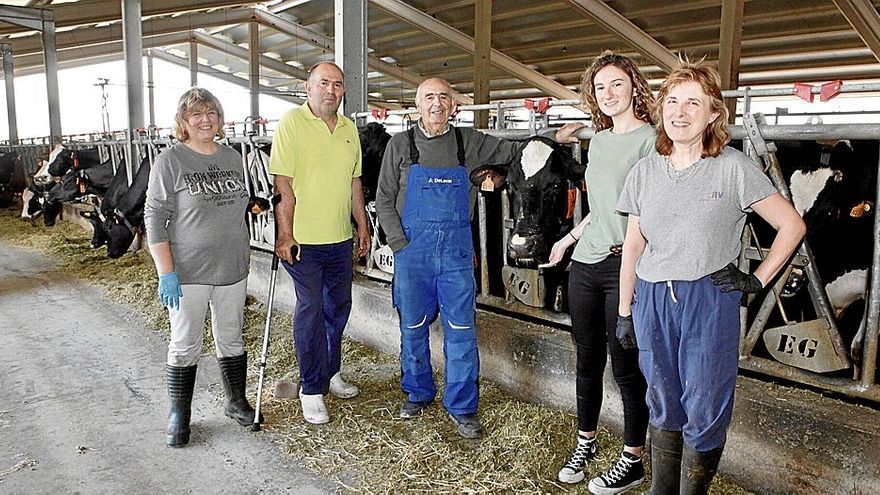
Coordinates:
[365,447]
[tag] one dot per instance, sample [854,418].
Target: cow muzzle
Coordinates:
[526,250]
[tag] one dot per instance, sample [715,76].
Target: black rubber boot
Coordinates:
[180,380]
[665,461]
[698,469]
[233,374]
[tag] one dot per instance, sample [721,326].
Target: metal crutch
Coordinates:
[256,427]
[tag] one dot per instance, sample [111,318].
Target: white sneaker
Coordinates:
[341,388]
[314,410]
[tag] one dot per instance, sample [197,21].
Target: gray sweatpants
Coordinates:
[188,322]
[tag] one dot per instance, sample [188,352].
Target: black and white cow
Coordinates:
[542,201]
[70,159]
[75,184]
[117,188]
[833,187]
[124,217]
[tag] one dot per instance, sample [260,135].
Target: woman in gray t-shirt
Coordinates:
[687,207]
[196,230]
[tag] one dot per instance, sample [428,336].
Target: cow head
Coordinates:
[99,235]
[373,139]
[120,234]
[542,203]
[67,159]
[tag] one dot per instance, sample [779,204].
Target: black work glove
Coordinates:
[732,278]
[625,333]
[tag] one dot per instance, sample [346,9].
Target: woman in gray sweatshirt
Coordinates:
[195,221]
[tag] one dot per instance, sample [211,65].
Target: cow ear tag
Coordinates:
[488,184]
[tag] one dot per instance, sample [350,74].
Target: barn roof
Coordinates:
[538,48]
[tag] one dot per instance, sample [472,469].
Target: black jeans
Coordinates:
[593,294]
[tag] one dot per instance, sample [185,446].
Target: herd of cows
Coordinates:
[833,186]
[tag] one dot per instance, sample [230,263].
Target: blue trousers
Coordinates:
[322,281]
[688,337]
[434,272]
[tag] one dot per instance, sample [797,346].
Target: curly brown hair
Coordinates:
[196,100]
[715,136]
[643,100]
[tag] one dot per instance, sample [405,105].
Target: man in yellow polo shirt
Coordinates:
[316,160]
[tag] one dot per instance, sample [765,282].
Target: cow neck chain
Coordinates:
[682,175]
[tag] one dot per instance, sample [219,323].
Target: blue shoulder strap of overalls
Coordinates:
[414,152]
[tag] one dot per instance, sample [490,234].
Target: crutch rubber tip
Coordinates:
[255,427]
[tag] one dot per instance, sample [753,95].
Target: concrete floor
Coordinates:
[83,403]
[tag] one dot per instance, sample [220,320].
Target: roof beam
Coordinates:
[151,27]
[424,21]
[97,51]
[80,13]
[225,76]
[243,53]
[327,43]
[613,21]
[863,17]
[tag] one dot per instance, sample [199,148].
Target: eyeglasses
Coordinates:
[211,114]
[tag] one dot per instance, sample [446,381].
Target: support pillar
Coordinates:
[350,40]
[50,60]
[254,71]
[9,80]
[150,86]
[132,42]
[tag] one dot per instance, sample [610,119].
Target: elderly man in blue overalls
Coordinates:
[424,203]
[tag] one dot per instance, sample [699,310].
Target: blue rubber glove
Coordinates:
[169,290]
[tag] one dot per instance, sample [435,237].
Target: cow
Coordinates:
[374,138]
[68,159]
[75,184]
[117,188]
[833,187]
[542,203]
[12,178]
[124,217]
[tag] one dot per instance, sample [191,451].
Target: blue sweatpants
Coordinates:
[688,336]
[322,281]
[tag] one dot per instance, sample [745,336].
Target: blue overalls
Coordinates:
[434,272]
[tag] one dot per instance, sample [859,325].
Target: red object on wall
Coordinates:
[830,90]
[804,91]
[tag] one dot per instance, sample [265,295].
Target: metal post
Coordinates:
[150,96]
[350,39]
[484,243]
[9,79]
[254,69]
[132,42]
[193,64]
[872,306]
[50,60]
